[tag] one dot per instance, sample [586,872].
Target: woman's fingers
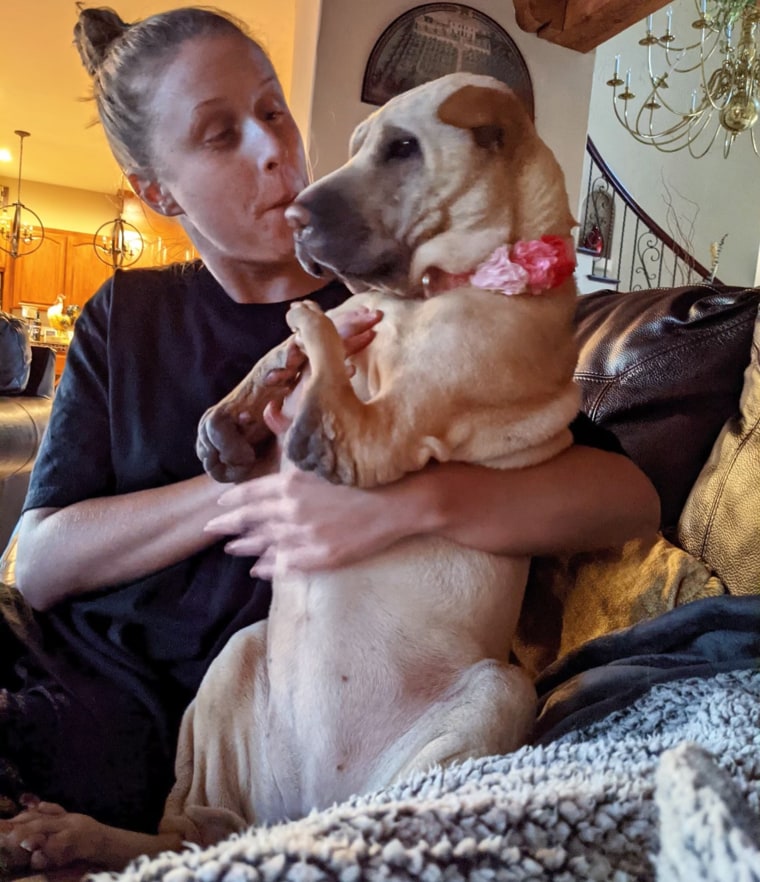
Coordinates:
[356,327]
[52,836]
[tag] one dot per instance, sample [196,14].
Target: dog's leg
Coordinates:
[340,437]
[230,431]
[491,712]
[224,780]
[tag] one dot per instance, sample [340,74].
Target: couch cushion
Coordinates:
[719,523]
[15,354]
[663,370]
[572,600]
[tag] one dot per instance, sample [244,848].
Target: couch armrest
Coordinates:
[41,383]
[22,422]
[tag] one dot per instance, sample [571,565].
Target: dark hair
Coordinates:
[120,57]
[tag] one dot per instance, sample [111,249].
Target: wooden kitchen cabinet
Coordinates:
[37,278]
[66,264]
[85,272]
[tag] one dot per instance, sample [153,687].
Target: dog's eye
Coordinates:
[402,148]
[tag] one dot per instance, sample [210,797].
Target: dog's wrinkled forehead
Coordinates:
[481,104]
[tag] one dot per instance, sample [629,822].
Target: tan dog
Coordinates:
[364,674]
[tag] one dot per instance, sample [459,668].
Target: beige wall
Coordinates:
[64,208]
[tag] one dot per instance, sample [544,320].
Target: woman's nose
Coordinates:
[267,148]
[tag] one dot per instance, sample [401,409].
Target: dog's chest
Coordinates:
[357,656]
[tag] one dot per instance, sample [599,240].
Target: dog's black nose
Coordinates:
[298,216]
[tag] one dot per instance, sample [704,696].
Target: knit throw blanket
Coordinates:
[667,789]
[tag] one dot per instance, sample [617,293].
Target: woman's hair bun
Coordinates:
[94,32]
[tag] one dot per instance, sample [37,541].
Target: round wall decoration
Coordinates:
[438,38]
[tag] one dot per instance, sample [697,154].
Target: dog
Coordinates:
[364,674]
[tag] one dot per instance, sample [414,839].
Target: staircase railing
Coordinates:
[629,250]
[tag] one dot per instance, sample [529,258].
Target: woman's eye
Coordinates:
[220,137]
[402,148]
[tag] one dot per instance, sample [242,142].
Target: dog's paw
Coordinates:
[318,338]
[306,318]
[313,444]
[226,445]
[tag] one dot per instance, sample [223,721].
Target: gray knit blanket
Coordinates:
[667,789]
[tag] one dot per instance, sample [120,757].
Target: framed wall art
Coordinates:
[434,39]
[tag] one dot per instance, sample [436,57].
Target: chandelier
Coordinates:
[722,99]
[21,230]
[118,243]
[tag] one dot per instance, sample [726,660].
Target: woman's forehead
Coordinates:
[206,65]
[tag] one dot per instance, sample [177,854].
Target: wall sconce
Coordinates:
[18,234]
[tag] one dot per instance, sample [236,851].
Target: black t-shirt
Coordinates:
[153,349]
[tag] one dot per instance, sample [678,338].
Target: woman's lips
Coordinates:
[279,204]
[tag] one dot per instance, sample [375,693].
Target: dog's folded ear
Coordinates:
[488,113]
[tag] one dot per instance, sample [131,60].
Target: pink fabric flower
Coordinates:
[547,261]
[499,273]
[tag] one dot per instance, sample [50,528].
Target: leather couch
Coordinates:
[23,418]
[664,370]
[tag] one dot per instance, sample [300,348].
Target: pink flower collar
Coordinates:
[527,267]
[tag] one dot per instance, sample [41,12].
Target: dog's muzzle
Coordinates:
[299,218]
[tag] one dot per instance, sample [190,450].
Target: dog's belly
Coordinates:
[359,656]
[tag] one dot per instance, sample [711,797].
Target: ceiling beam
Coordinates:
[581,24]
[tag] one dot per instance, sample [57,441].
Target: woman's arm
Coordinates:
[107,540]
[581,500]
[98,543]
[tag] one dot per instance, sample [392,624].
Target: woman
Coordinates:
[135,597]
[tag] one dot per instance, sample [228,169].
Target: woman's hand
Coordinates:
[355,326]
[311,524]
[50,836]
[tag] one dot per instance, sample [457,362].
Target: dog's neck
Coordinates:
[525,267]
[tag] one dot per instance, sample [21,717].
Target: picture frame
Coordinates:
[434,39]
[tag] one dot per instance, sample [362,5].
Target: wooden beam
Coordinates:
[581,25]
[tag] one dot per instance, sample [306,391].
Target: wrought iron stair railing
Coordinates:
[629,251]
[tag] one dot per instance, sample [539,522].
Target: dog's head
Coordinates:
[438,177]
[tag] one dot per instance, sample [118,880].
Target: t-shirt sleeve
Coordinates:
[74,460]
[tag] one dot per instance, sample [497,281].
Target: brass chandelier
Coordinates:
[118,243]
[21,230]
[723,62]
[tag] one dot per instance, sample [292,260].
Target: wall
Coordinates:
[720,195]
[304,59]
[63,208]
[348,31]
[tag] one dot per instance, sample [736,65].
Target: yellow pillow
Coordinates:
[720,523]
[572,600]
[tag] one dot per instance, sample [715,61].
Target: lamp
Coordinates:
[17,233]
[724,64]
[118,243]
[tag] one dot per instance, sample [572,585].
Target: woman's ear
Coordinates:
[155,195]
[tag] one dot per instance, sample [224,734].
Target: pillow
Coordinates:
[15,354]
[662,369]
[572,600]
[719,523]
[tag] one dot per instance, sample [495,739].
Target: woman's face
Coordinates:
[227,153]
